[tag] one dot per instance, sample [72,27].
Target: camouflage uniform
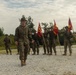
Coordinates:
[21,36]
[7,43]
[30,41]
[36,44]
[45,42]
[52,42]
[67,41]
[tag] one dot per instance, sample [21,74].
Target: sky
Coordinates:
[40,10]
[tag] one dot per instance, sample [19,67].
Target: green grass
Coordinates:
[14,51]
[3,51]
[3,47]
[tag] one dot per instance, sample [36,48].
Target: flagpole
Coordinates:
[56,33]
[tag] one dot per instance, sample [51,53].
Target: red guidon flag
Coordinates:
[39,31]
[55,28]
[70,24]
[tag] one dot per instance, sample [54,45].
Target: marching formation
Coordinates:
[26,40]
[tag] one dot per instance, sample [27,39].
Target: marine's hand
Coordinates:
[32,41]
[16,42]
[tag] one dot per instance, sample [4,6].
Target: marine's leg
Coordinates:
[37,46]
[17,50]
[70,50]
[6,50]
[44,49]
[10,50]
[47,50]
[34,48]
[50,46]
[50,49]
[54,48]
[21,49]
[25,53]
[47,45]
[65,48]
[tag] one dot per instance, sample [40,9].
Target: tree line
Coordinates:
[31,26]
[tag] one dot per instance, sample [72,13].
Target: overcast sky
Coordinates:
[39,10]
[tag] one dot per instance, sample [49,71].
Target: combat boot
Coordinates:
[70,54]
[50,53]
[44,53]
[7,52]
[37,53]
[55,53]
[10,53]
[64,54]
[22,62]
[33,54]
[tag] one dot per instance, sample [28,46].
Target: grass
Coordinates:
[3,51]
[14,51]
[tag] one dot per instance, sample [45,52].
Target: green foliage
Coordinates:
[12,39]
[51,24]
[1,31]
[30,23]
[2,40]
[45,25]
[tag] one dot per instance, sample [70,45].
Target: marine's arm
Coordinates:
[16,36]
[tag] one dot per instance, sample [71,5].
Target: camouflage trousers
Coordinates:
[52,44]
[67,44]
[35,48]
[46,46]
[7,47]
[23,50]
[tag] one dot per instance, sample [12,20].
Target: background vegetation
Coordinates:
[31,26]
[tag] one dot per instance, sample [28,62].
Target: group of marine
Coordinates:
[26,40]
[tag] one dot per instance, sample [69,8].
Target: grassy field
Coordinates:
[3,51]
[14,49]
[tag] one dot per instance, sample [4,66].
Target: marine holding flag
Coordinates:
[52,38]
[67,38]
[43,38]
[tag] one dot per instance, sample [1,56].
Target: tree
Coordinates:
[45,25]
[30,24]
[1,31]
[51,24]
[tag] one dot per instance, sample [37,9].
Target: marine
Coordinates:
[45,42]
[36,43]
[52,41]
[21,40]
[7,43]
[67,41]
